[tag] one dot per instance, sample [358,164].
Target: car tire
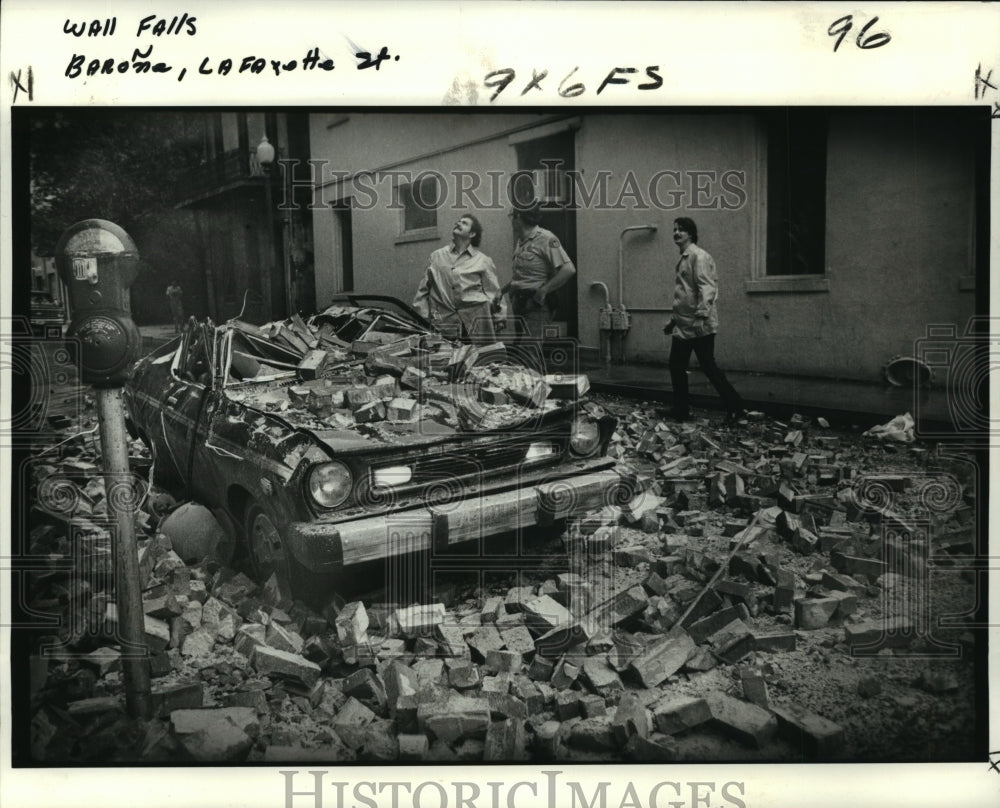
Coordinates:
[268,557]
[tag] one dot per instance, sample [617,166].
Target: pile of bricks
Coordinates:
[742,546]
[395,378]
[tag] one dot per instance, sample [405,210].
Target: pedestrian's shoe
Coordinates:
[734,417]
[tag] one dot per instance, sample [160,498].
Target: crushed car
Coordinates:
[363,433]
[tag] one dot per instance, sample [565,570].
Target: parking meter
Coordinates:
[98,262]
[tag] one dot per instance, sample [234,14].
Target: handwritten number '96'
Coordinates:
[839,29]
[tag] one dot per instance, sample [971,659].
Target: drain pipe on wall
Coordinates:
[604,322]
[620,320]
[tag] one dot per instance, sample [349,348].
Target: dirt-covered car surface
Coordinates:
[362,433]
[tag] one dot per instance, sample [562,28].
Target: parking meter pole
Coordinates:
[121,508]
[98,261]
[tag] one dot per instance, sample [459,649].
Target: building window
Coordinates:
[796,192]
[795,231]
[420,200]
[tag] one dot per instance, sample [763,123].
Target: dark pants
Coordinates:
[704,349]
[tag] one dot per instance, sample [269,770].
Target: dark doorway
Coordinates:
[548,158]
[343,251]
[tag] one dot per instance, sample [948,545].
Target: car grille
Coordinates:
[449,473]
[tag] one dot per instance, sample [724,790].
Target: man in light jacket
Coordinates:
[459,293]
[695,323]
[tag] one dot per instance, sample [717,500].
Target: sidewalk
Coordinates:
[844,402]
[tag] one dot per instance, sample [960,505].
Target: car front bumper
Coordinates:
[322,546]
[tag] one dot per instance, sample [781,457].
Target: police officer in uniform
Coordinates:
[541,266]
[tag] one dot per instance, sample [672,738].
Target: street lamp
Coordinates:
[265,158]
[265,154]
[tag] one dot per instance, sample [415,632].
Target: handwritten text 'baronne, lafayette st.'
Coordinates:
[141,60]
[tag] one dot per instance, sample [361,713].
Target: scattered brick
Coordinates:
[505,741]
[567,704]
[455,718]
[702,629]
[517,595]
[503,661]
[754,687]
[600,676]
[351,721]
[176,696]
[493,608]
[703,605]
[673,715]
[483,640]
[855,565]
[784,591]
[541,669]
[560,640]
[547,740]
[451,639]
[352,624]
[592,706]
[281,638]
[814,613]
[732,642]
[84,708]
[499,683]
[249,636]
[662,658]
[368,687]
[847,606]
[630,718]
[543,614]
[619,608]
[815,735]
[593,734]
[413,747]
[272,662]
[746,722]
[420,620]
[464,677]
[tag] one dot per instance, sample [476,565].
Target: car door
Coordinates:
[186,391]
[213,459]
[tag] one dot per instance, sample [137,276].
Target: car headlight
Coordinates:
[585,438]
[330,484]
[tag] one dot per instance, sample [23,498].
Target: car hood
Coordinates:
[346,438]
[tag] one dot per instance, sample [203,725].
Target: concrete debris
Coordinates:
[669,607]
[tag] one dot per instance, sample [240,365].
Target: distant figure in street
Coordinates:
[541,266]
[695,323]
[459,293]
[175,297]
